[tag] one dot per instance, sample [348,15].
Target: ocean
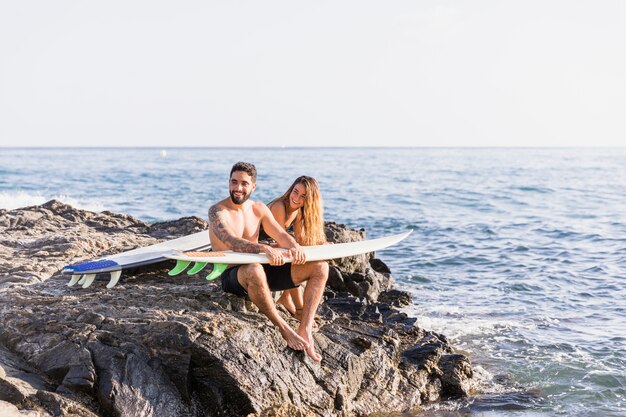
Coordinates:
[517,255]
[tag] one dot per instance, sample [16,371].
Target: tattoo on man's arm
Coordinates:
[216,223]
[242,245]
[235,243]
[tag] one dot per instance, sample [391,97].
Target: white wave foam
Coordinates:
[458,327]
[14,200]
[19,199]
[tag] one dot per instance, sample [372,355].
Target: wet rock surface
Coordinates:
[156,345]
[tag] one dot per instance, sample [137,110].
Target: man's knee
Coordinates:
[314,270]
[251,274]
[324,267]
[320,269]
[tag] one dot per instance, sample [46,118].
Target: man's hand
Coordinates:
[298,255]
[275,256]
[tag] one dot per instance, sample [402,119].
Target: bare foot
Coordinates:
[310,350]
[294,340]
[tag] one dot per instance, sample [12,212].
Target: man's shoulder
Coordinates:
[258,209]
[259,206]
[217,207]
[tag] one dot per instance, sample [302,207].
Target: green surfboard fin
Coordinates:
[180,267]
[217,271]
[197,267]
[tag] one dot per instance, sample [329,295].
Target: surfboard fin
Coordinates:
[115,276]
[87,280]
[74,280]
[180,267]
[217,271]
[197,267]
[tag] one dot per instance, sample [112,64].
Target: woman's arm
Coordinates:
[284,239]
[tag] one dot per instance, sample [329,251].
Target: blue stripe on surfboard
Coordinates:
[88,266]
[116,267]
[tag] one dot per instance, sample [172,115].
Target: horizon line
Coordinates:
[323,147]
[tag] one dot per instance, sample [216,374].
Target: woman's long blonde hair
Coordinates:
[309,223]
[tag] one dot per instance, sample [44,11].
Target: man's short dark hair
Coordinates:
[246,167]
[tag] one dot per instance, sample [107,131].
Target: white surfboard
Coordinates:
[84,273]
[313,253]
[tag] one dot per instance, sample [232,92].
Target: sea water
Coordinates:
[518,255]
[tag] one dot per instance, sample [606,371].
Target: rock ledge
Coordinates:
[161,346]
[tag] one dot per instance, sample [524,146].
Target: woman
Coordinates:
[300,207]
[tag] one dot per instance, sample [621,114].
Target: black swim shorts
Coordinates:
[278,279]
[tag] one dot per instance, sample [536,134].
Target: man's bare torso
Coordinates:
[244,222]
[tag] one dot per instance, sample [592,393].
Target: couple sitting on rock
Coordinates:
[236,223]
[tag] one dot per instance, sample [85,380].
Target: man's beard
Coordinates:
[238,200]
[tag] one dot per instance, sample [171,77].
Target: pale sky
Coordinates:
[314,73]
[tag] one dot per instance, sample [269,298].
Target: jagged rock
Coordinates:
[162,346]
[9,410]
[339,233]
[178,228]
[368,285]
[457,374]
[361,275]
[60,405]
[396,298]
[379,266]
[283,410]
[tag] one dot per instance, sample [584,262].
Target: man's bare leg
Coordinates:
[293,302]
[315,274]
[252,278]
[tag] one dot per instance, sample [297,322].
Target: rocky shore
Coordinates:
[178,346]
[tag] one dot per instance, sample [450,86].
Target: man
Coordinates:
[234,225]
